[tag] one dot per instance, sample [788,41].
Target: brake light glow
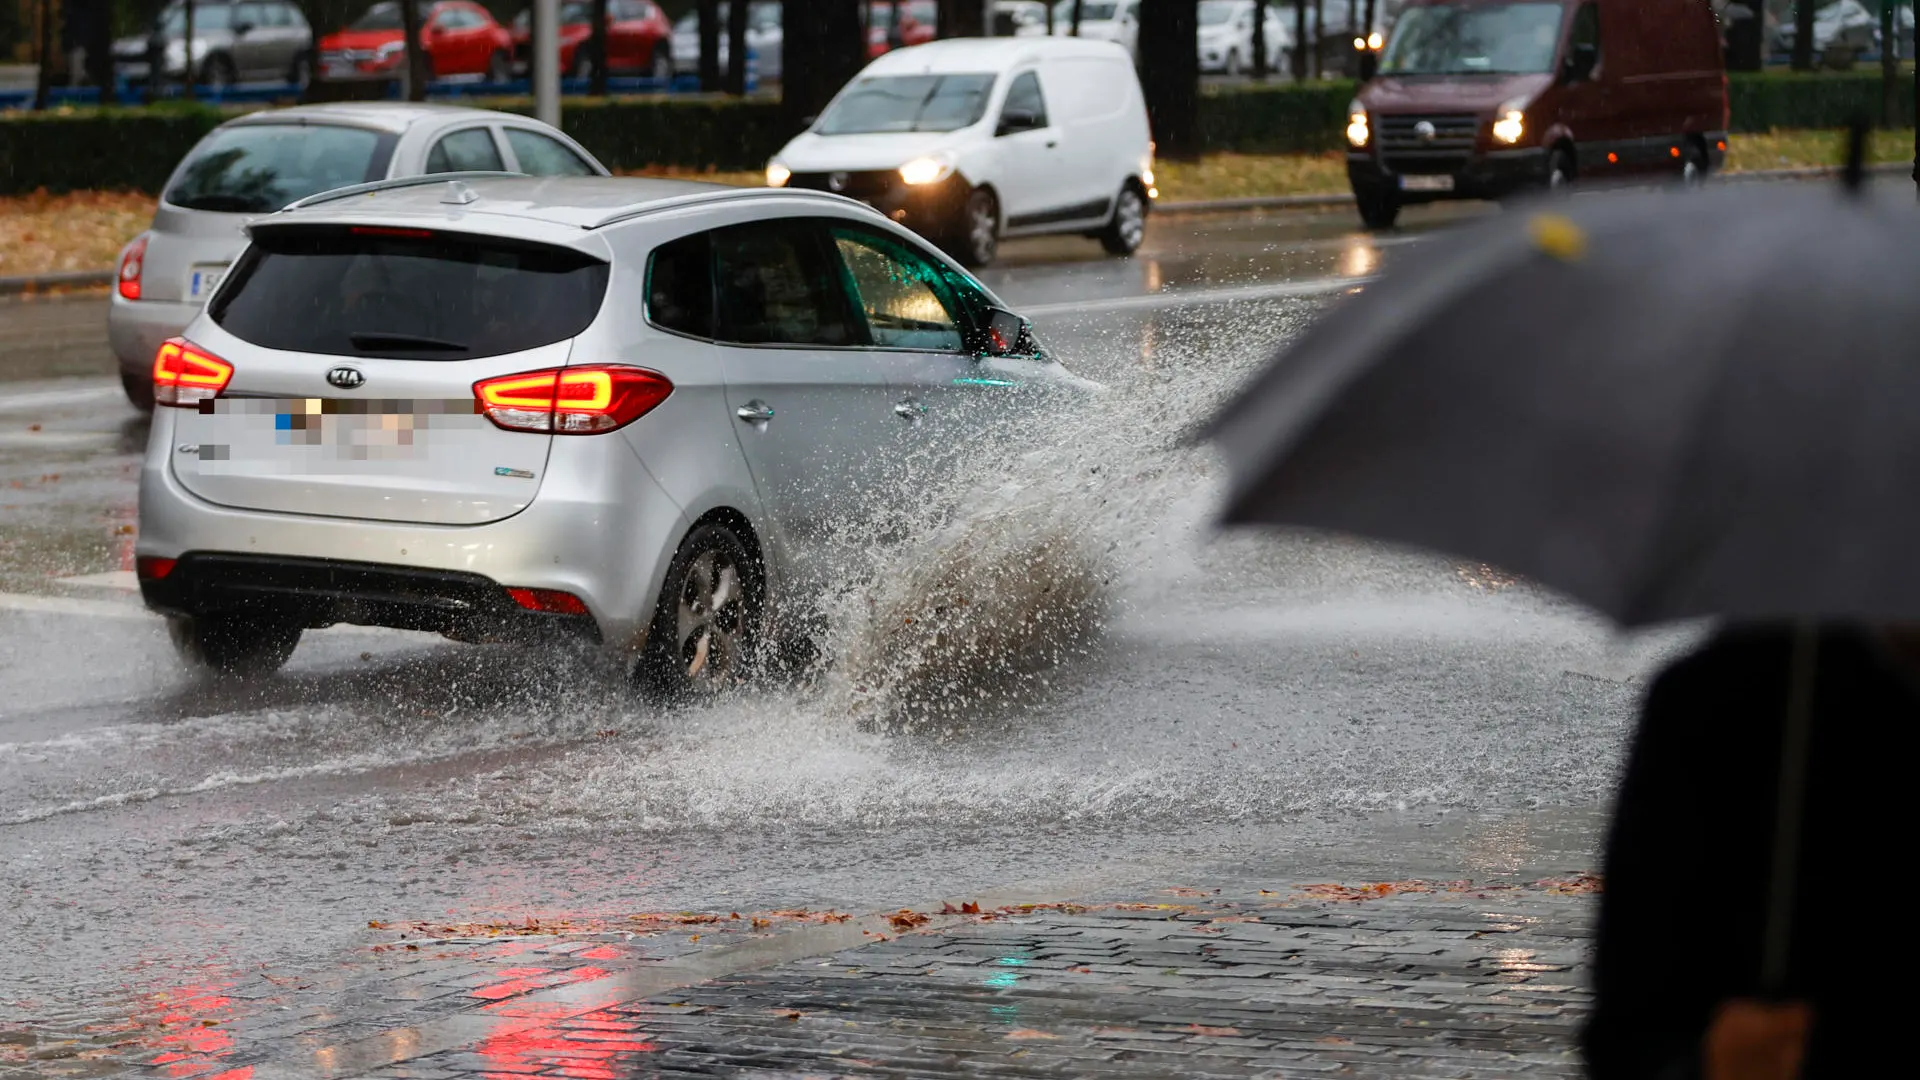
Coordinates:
[388,230]
[132,262]
[184,376]
[153,567]
[549,601]
[571,401]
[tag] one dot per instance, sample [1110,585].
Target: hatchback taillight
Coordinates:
[185,376]
[132,262]
[572,400]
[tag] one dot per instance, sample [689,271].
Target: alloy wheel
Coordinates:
[983,228]
[1131,218]
[711,620]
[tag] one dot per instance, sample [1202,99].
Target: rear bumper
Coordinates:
[1487,175]
[321,592]
[136,329]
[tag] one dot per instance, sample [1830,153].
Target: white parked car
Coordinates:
[970,140]
[1226,36]
[763,38]
[256,164]
[1117,21]
[631,413]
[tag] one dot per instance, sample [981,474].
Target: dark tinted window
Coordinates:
[774,284]
[406,293]
[465,150]
[540,155]
[258,168]
[1024,96]
[680,287]
[205,17]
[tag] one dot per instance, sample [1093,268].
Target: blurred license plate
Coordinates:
[1426,183]
[339,69]
[204,280]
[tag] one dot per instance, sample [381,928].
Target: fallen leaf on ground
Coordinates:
[1030,1033]
[1216,1032]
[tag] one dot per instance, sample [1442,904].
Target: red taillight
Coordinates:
[153,567]
[571,401]
[185,376]
[550,601]
[132,262]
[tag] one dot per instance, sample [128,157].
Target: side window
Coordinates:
[898,291]
[250,15]
[292,16]
[1585,37]
[1024,96]
[469,149]
[773,285]
[680,286]
[541,155]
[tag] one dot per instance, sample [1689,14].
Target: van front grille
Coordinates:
[869,184]
[1455,132]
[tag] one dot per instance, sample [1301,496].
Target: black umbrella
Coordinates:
[1665,406]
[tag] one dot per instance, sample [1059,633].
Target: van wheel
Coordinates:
[662,64]
[233,646]
[499,68]
[139,390]
[978,234]
[1128,225]
[1560,171]
[705,626]
[1694,165]
[1378,209]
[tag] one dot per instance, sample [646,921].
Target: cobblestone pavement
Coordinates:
[1236,979]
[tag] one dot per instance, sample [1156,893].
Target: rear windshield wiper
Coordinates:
[381,342]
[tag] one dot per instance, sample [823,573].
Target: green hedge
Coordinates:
[137,148]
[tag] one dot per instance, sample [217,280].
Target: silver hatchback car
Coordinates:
[638,413]
[258,163]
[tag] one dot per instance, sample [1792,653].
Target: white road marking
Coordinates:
[112,579]
[1177,298]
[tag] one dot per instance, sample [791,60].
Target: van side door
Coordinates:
[1591,102]
[1027,142]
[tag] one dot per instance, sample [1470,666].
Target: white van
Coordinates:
[972,139]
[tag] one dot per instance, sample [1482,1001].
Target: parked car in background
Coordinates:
[1012,17]
[459,37]
[1226,37]
[1117,21]
[639,39]
[631,414]
[1843,23]
[916,25]
[256,164]
[972,139]
[763,38]
[1478,100]
[251,41]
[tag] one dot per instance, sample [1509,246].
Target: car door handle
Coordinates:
[755,412]
[909,409]
[1051,143]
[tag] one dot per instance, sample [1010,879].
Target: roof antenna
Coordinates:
[459,194]
[1855,172]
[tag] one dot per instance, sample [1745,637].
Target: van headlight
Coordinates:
[927,170]
[1510,122]
[778,174]
[1358,133]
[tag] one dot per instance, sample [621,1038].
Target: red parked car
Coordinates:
[638,39]
[460,38]
[916,25]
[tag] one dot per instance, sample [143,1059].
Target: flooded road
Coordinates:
[1328,703]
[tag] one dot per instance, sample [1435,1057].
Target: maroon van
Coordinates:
[1480,99]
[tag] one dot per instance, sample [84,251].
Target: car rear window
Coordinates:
[414,294]
[259,168]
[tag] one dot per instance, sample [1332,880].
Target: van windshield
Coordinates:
[887,103]
[1474,39]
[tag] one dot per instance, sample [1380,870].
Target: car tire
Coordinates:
[976,236]
[582,64]
[1127,227]
[1233,64]
[707,622]
[1694,165]
[1560,169]
[233,646]
[663,64]
[139,390]
[217,73]
[499,68]
[1379,210]
[300,75]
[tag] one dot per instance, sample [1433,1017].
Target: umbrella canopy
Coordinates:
[1663,405]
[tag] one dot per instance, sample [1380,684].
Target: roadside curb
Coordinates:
[31,283]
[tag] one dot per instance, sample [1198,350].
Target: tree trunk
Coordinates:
[1073,26]
[962,18]
[43,52]
[187,73]
[415,61]
[824,47]
[1260,40]
[709,15]
[1170,75]
[1299,57]
[1316,53]
[737,48]
[1746,38]
[1889,66]
[1803,35]
[597,49]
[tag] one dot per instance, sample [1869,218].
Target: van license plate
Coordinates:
[204,280]
[1426,183]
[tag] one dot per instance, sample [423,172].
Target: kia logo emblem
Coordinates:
[1425,131]
[346,378]
[837,182]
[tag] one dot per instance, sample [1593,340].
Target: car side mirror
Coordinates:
[1581,60]
[1015,120]
[242,29]
[1003,334]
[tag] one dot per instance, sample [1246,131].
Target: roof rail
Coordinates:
[724,193]
[394,184]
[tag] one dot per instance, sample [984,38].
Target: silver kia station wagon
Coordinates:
[635,413]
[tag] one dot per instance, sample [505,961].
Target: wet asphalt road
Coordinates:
[1375,713]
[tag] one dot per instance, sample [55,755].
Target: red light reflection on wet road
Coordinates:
[592,1046]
